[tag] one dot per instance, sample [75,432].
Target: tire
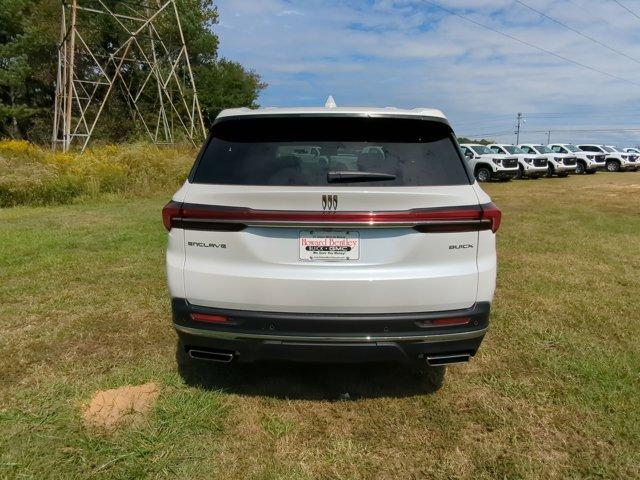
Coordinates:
[550,170]
[613,166]
[188,368]
[483,174]
[520,174]
[431,379]
[581,168]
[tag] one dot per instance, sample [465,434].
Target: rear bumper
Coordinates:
[330,338]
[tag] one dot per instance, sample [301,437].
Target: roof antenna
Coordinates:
[330,103]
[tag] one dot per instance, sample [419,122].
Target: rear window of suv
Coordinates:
[314,151]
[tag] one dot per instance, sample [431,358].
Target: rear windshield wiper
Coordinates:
[350,176]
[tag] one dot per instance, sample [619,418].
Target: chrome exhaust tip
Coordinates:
[211,355]
[437,360]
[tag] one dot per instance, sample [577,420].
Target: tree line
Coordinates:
[29,38]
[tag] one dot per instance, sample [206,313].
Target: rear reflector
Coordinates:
[224,218]
[445,322]
[204,317]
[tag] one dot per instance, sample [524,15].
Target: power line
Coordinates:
[488,118]
[530,45]
[563,130]
[588,37]
[627,9]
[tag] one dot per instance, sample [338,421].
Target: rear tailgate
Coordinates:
[262,200]
[396,270]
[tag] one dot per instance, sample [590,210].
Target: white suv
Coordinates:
[374,243]
[632,157]
[531,166]
[587,162]
[560,164]
[615,161]
[487,165]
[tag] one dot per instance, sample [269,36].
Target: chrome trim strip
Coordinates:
[337,224]
[428,338]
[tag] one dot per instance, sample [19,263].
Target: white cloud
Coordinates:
[407,54]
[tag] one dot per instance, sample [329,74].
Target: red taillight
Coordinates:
[205,317]
[445,322]
[491,212]
[440,219]
[169,212]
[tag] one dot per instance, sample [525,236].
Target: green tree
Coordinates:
[481,141]
[226,84]
[29,36]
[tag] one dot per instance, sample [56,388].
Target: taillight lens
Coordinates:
[225,218]
[205,317]
[169,212]
[492,213]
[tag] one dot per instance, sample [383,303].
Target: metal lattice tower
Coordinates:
[149,70]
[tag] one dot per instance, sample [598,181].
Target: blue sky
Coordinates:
[412,54]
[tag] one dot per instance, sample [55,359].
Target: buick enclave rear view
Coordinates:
[331,235]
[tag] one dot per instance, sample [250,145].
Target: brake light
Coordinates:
[492,213]
[225,218]
[169,212]
[205,317]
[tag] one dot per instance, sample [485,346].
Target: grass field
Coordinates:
[554,392]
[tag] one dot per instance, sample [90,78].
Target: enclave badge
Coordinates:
[207,245]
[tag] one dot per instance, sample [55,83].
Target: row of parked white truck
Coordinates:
[501,161]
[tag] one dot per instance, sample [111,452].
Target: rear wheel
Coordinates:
[613,166]
[581,168]
[431,378]
[197,372]
[187,366]
[483,174]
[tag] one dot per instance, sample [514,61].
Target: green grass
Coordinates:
[553,393]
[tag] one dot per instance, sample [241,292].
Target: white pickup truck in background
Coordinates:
[560,164]
[586,162]
[487,165]
[530,166]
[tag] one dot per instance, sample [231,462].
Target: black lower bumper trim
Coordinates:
[330,338]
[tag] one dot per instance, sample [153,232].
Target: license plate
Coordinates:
[329,245]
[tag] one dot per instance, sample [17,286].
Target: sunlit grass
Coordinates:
[553,392]
[31,175]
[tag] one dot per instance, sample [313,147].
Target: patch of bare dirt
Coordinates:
[111,409]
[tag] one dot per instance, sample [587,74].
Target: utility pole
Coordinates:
[519,122]
[548,137]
